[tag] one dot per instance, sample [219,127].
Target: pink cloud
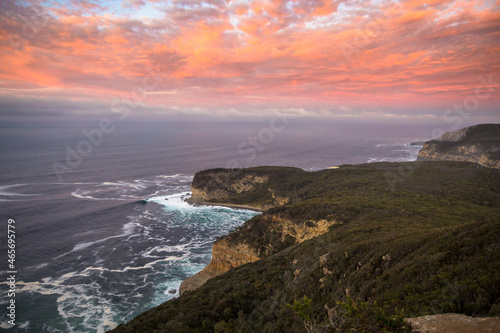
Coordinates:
[261,53]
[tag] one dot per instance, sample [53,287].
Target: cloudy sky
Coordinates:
[374,59]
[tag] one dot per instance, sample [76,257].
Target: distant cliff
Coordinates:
[479,144]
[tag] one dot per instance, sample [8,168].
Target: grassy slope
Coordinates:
[438,221]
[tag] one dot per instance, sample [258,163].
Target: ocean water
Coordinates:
[111,236]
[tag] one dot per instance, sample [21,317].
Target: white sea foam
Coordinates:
[35,266]
[128,229]
[83,301]
[86,233]
[92,311]
[24,324]
[176,202]
[5,325]
[111,183]
[172,285]
[83,195]
[6,187]
[399,152]
[5,191]
[172,176]
[181,248]
[148,265]
[127,190]
[376,160]
[74,301]
[173,201]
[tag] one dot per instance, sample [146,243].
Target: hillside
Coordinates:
[426,243]
[479,144]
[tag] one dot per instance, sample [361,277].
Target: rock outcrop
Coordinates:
[452,322]
[230,252]
[479,144]
[222,184]
[224,257]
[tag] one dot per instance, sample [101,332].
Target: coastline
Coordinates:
[213,268]
[203,203]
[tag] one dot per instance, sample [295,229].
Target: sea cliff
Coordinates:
[479,144]
[222,186]
[224,257]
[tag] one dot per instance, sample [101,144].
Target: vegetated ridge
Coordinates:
[380,250]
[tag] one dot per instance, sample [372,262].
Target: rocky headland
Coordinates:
[228,187]
[479,144]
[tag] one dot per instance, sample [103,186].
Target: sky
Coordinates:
[418,60]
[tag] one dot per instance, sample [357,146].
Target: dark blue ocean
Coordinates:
[104,235]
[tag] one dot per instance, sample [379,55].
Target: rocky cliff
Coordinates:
[251,187]
[454,323]
[222,186]
[225,186]
[224,257]
[479,144]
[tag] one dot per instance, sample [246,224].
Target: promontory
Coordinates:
[357,248]
[479,144]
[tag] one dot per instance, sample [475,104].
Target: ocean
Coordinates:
[102,230]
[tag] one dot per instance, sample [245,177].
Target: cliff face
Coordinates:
[479,144]
[456,323]
[224,257]
[233,250]
[223,187]
[220,185]
[254,187]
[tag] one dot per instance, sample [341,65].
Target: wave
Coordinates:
[395,152]
[110,278]
[173,201]
[133,190]
[148,265]
[7,326]
[89,197]
[376,160]
[128,229]
[4,191]
[177,201]
[73,302]
[107,190]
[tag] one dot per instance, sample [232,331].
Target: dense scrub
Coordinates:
[410,239]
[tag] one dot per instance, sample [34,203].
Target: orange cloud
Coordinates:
[258,52]
[415,16]
[324,8]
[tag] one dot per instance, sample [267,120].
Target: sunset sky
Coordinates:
[416,59]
